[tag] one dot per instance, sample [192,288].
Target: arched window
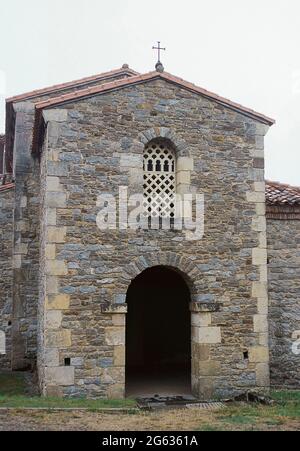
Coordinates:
[159,179]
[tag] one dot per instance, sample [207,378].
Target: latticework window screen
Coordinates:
[159,181]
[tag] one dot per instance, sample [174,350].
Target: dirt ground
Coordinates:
[176,420]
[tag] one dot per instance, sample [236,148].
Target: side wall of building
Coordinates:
[6,239]
[284,301]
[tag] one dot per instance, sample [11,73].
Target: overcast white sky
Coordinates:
[248,51]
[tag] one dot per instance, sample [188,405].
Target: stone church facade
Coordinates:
[65,283]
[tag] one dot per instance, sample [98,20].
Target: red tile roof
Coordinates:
[281,194]
[134,80]
[125,70]
[6,182]
[73,96]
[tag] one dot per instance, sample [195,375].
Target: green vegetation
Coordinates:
[13,394]
[283,414]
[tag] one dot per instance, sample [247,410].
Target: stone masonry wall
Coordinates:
[6,239]
[27,231]
[95,146]
[284,295]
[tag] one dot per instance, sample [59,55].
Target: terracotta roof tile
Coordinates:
[72,84]
[281,194]
[148,77]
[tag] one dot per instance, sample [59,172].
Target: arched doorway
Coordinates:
[158,334]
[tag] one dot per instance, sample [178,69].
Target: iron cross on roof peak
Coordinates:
[159,67]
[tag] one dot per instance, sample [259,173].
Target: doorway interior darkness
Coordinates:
[158,334]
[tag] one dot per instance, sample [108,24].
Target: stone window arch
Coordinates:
[159,186]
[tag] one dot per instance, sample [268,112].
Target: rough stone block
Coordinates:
[58,302]
[205,388]
[51,217]
[183,178]
[256,197]
[131,161]
[185,164]
[262,306]
[263,273]
[56,268]
[201,319]
[51,357]
[115,336]
[260,187]
[58,339]
[56,200]
[119,320]
[17,261]
[261,209]
[259,257]
[51,285]
[114,309]
[260,323]
[263,375]
[119,356]
[50,251]
[263,339]
[64,376]
[116,391]
[200,352]
[257,153]
[21,249]
[53,319]
[183,188]
[259,354]
[259,224]
[209,368]
[259,290]
[207,335]
[55,115]
[263,240]
[53,391]
[53,184]
[56,235]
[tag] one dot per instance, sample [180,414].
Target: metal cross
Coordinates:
[159,48]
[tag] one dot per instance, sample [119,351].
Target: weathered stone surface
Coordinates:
[58,302]
[201,319]
[6,271]
[207,335]
[55,115]
[284,294]
[259,354]
[63,376]
[58,338]
[115,336]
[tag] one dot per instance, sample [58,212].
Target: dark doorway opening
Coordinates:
[158,334]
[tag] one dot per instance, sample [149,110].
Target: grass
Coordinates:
[284,414]
[13,394]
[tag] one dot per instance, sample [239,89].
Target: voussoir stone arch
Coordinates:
[180,146]
[186,268]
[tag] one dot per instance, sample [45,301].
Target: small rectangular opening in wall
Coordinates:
[246,355]
[68,362]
